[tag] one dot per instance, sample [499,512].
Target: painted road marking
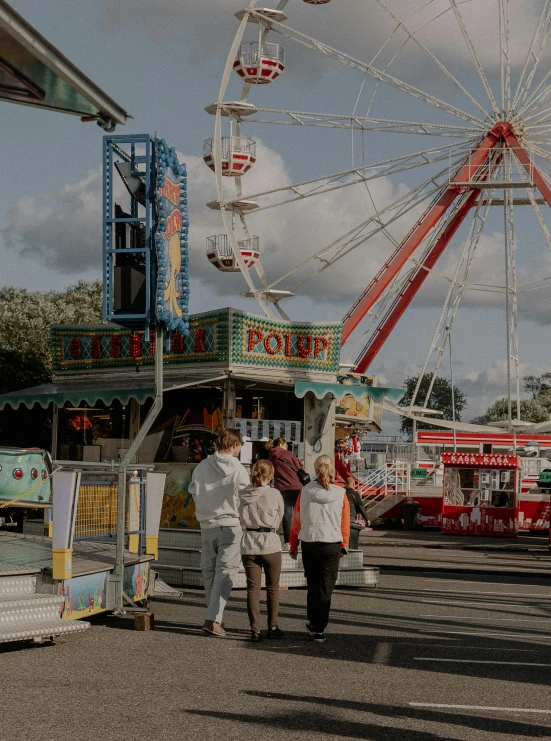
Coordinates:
[493,620]
[499,635]
[480,604]
[477,661]
[485,594]
[479,707]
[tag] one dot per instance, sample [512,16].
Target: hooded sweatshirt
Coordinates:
[260,507]
[215,485]
[321,516]
[285,478]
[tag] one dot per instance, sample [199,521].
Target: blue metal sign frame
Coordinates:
[162,216]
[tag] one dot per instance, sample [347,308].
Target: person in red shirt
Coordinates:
[286,481]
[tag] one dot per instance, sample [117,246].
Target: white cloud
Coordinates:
[63,230]
[360,29]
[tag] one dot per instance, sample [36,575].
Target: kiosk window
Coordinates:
[474,487]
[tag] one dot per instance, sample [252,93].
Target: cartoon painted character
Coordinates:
[173,288]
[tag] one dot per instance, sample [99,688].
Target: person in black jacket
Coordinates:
[356,508]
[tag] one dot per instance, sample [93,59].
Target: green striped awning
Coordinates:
[80,391]
[320,390]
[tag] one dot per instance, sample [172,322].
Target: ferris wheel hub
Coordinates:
[272,13]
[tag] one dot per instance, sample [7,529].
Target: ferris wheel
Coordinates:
[482,143]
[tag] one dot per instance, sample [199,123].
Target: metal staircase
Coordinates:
[384,488]
[26,615]
[180,556]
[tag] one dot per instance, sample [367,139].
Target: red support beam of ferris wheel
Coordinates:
[428,221]
[408,292]
[526,161]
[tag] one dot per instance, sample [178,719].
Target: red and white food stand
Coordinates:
[481,494]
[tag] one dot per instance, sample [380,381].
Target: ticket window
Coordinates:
[475,487]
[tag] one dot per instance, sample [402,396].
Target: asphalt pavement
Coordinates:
[422,657]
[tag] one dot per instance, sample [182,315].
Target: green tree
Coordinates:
[440,399]
[536,409]
[25,360]
[531,410]
[537,385]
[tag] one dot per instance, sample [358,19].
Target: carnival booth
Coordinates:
[481,494]
[534,451]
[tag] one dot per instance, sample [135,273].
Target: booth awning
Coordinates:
[320,390]
[34,73]
[78,392]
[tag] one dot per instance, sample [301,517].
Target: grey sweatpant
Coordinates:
[220,560]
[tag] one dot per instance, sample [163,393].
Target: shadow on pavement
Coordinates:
[316,721]
[491,725]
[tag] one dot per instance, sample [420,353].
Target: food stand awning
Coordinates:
[82,391]
[320,391]
[34,73]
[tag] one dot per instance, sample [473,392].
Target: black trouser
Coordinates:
[290,497]
[321,567]
[355,530]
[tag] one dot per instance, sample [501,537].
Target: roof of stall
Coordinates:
[80,391]
[34,73]
[140,386]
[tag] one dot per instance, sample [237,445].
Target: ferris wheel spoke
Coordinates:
[403,204]
[535,207]
[535,51]
[453,298]
[505,61]
[474,56]
[368,69]
[384,168]
[364,123]
[353,244]
[412,35]
[538,98]
[511,291]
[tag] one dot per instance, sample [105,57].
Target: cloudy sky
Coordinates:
[163,62]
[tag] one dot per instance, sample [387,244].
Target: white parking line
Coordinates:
[490,619]
[480,604]
[485,594]
[479,707]
[477,661]
[489,635]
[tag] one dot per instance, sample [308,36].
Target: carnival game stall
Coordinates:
[481,494]
[534,451]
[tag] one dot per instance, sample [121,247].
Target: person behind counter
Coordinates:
[356,508]
[215,485]
[286,465]
[261,510]
[321,522]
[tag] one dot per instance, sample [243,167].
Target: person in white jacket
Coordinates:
[261,510]
[215,486]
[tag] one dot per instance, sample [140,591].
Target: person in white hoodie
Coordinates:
[321,522]
[215,486]
[261,510]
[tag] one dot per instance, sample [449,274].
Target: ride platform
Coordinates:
[87,592]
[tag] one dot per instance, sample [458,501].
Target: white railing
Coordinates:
[231,145]
[391,479]
[249,54]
